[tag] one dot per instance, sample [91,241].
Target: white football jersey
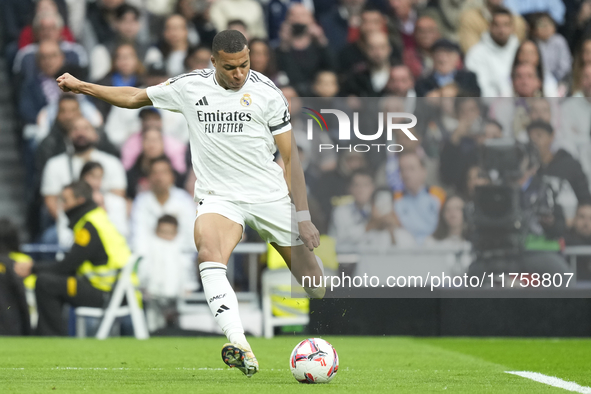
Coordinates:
[230,133]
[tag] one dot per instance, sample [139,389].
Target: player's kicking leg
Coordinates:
[216,237]
[303,262]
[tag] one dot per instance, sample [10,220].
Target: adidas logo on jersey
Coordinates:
[203,101]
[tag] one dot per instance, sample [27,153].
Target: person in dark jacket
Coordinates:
[559,164]
[14,311]
[446,70]
[580,235]
[87,274]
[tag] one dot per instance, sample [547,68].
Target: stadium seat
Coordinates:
[274,283]
[123,288]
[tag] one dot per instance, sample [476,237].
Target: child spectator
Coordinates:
[165,274]
[554,48]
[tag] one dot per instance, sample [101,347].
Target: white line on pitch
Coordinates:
[552,381]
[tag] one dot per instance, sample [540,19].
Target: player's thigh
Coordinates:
[216,236]
[274,221]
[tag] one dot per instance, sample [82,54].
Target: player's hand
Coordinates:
[309,234]
[68,83]
[23,269]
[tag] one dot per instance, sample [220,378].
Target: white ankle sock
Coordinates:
[317,292]
[222,301]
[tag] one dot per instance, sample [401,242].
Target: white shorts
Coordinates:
[275,221]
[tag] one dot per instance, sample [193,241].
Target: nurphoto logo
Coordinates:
[393,120]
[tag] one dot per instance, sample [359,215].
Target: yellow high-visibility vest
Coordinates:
[102,276]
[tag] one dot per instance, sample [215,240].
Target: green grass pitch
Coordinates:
[367,365]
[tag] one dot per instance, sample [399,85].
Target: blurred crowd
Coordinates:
[529,61]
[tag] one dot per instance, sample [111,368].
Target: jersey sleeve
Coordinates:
[167,95]
[278,115]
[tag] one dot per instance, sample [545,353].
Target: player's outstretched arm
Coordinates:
[296,183]
[120,96]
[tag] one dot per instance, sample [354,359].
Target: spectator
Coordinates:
[150,117]
[249,11]
[48,26]
[576,123]
[166,273]
[418,57]
[162,198]
[581,61]
[303,50]
[152,148]
[475,177]
[451,226]
[122,124]
[57,140]
[101,21]
[475,19]
[341,23]
[417,207]
[41,89]
[527,82]
[353,53]
[238,24]
[401,82]
[262,59]
[173,47]
[446,61]
[91,267]
[201,30]
[370,81]
[332,188]
[383,227]
[199,58]
[555,52]
[555,8]
[349,221]
[447,14]
[127,70]
[115,205]
[65,168]
[492,57]
[529,52]
[461,150]
[559,164]
[401,24]
[128,30]
[580,235]
[44,29]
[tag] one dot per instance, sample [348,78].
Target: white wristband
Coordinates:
[303,216]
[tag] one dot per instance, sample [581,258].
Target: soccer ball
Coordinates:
[314,361]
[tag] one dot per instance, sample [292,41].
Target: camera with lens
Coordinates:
[502,213]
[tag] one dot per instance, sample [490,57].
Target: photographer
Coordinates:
[303,50]
[530,239]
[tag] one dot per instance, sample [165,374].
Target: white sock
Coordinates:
[222,301]
[317,292]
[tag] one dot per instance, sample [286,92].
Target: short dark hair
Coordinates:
[229,41]
[67,96]
[91,165]
[160,159]
[125,9]
[360,172]
[540,124]
[499,10]
[80,189]
[167,219]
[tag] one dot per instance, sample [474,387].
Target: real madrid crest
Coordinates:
[246,100]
